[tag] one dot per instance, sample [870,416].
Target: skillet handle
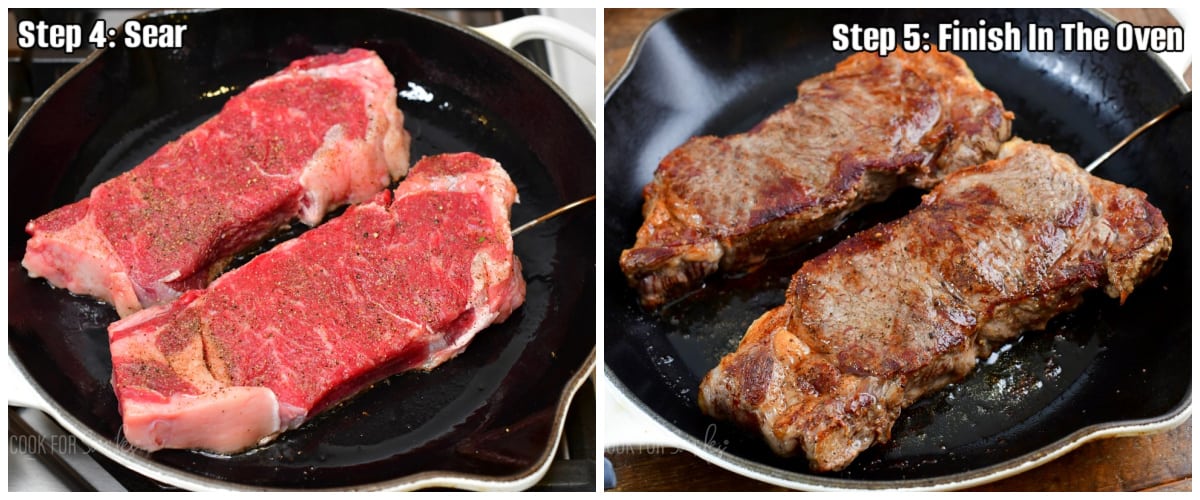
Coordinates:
[626,429]
[1178,62]
[20,392]
[521,29]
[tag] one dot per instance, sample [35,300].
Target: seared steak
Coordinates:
[851,138]
[323,132]
[402,282]
[902,309]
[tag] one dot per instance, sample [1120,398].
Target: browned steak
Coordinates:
[851,138]
[902,309]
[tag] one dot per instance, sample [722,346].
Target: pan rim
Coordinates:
[639,43]
[780,477]
[87,61]
[803,481]
[425,479]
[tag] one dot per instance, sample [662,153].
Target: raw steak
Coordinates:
[900,310]
[323,132]
[402,282]
[851,138]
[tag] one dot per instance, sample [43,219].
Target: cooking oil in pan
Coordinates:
[1023,383]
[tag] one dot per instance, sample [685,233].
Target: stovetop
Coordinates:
[43,456]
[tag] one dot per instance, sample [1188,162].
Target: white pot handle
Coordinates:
[627,429]
[1179,62]
[510,33]
[20,391]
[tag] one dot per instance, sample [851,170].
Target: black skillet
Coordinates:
[487,419]
[1104,369]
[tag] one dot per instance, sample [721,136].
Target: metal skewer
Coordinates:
[1184,103]
[552,214]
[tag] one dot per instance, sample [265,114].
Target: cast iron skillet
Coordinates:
[486,419]
[1101,369]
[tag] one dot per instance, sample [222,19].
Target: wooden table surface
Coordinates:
[1159,462]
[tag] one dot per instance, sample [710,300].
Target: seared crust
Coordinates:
[904,308]
[851,138]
